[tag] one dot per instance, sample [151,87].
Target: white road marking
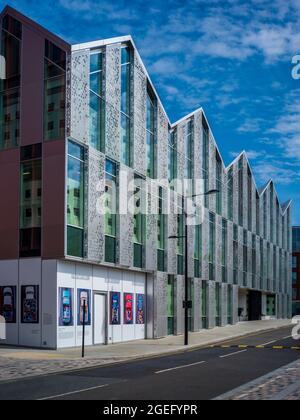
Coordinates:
[232,354]
[270,342]
[275,341]
[72,393]
[180,367]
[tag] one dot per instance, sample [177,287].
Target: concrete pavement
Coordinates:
[17,363]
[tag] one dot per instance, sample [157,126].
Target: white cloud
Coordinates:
[279,174]
[250,125]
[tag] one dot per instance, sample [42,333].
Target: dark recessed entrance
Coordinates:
[255,305]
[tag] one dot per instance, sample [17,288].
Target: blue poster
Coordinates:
[83,298]
[66,317]
[30,304]
[115,311]
[140,309]
[8,303]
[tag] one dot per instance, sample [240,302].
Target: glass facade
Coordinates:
[212,246]
[172,156]
[139,222]
[30,201]
[180,235]
[218,304]
[150,128]
[110,211]
[198,251]
[11,42]
[75,200]
[218,184]
[235,254]
[224,251]
[249,209]
[171,304]
[241,192]
[188,167]
[204,304]
[97,103]
[229,305]
[125,105]
[230,194]
[296,239]
[205,157]
[54,92]
[161,231]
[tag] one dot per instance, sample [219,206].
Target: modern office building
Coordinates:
[82,124]
[296,271]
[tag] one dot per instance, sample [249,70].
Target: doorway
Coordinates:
[255,305]
[100,318]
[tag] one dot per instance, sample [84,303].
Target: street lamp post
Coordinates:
[187,304]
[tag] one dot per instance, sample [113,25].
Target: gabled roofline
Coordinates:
[35,26]
[118,40]
[128,39]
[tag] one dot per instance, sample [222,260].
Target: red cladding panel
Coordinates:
[32,90]
[53,199]
[9,206]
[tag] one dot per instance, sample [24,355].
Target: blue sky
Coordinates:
[231,57]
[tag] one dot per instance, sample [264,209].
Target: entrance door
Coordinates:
[99,318]
[255,307]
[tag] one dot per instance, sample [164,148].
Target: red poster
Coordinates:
[128,308]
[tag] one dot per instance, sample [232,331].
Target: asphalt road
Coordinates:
[193,375]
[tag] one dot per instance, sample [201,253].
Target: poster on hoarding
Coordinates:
[115,313]
[8,303]
[83,296]
[140,309]
[66,299]
[128,308]
[30,304]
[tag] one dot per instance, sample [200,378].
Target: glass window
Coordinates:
[97,103]
[172,156]
[229,305]
[204,304]
[257,215]
[180,234]
[110,211]
[150,136]
[235,254]
[249,200]
[171,304]
[139,221]
[125,105]
[271,213]
[218,184]
[30,203]
[189,150]
[54,92]
[241,191]
[224,251]
[75,200]
[218,304]
[212,245]
[198,251]
[205,158]
[296,239]
[11,35]
[230,194]
[161,231]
